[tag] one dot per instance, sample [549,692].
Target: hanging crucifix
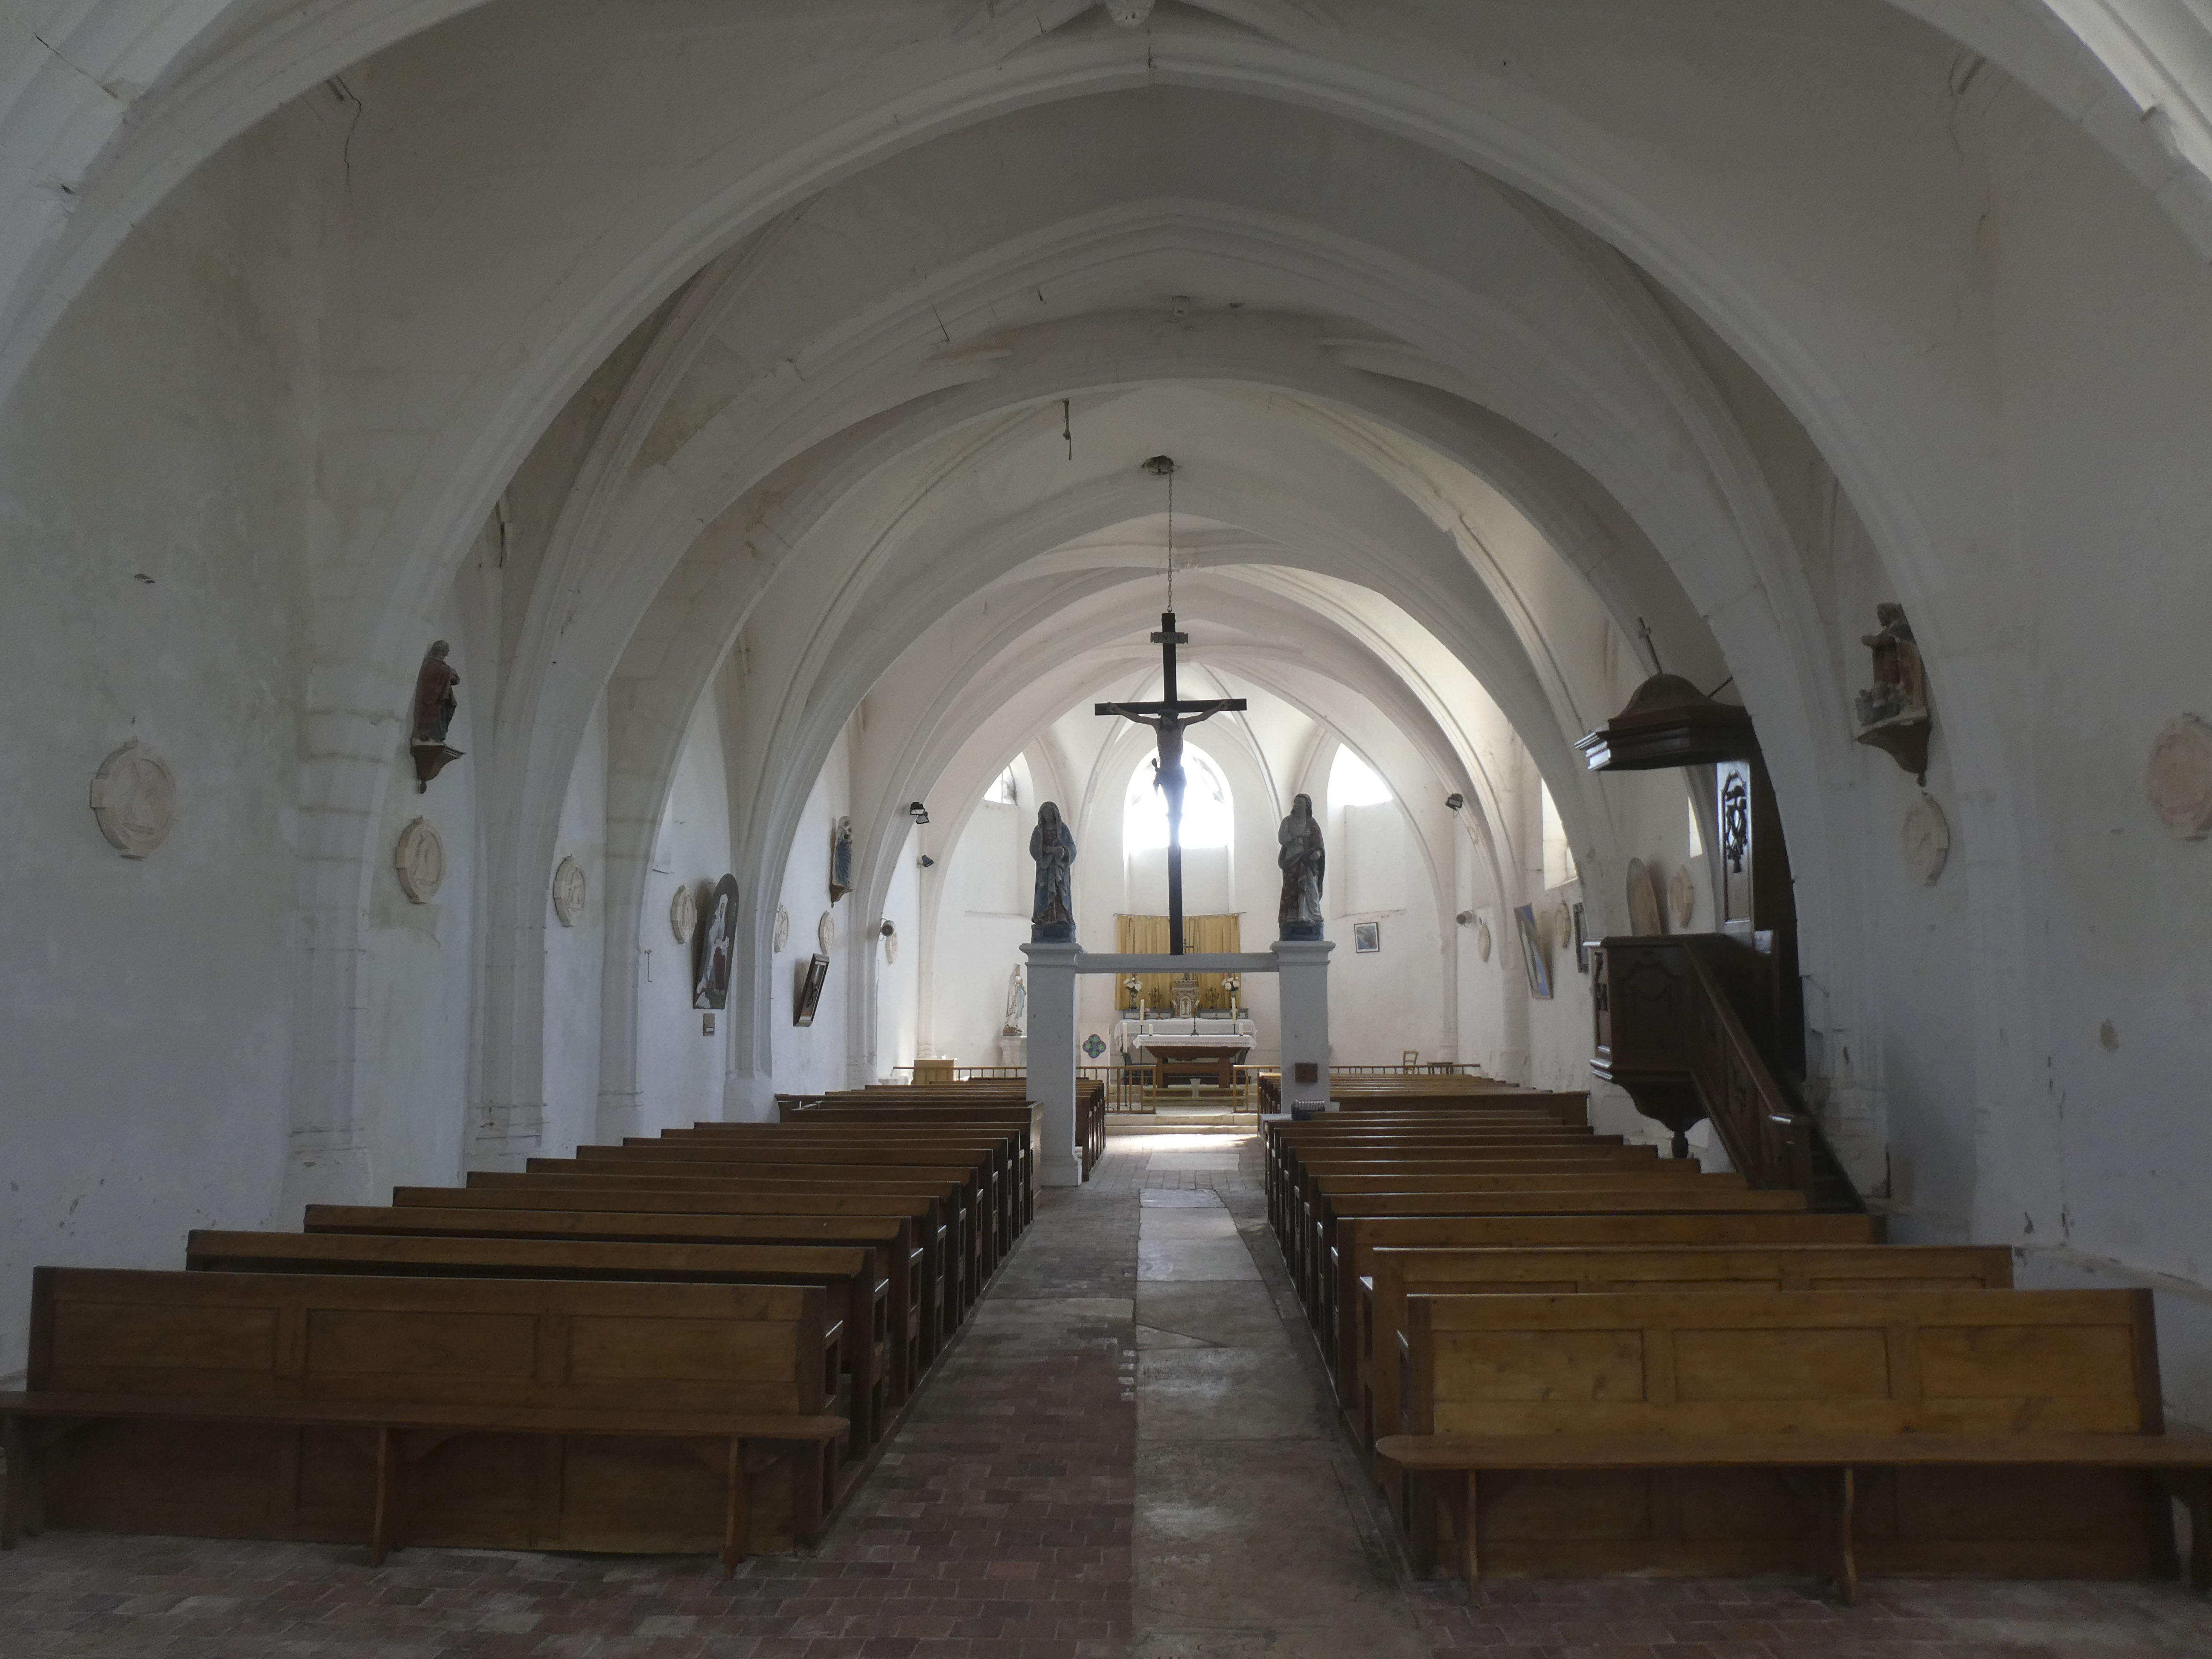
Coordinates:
[1168,717]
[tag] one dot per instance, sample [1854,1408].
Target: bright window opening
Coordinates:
[1208,817]
[1001,792]
[1558,856]
[1697,837]
[1353,782]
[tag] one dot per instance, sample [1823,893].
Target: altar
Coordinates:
[1211,1047]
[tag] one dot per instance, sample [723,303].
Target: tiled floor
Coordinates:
[1022,1514]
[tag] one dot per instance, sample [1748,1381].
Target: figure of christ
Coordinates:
[1168,718]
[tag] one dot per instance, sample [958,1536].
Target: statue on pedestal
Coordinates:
[1017,1004]
[1900,681]
[1051,918]
[1302,858]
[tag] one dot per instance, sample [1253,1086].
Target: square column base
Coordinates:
[1052,1057]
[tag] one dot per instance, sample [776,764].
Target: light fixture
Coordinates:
[1455,800]
[885,928]
[927,862]
[917,811]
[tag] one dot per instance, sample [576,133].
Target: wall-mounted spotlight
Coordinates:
[927,862]
[1455,800]
[917,811]
[1464,918]
[885,928]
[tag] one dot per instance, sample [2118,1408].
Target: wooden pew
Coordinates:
[1020,1127]
[899,1259]
[1316,1242]
[924,1216]
[496,1414]
[857,1293]
[1357,1237]
[1396,1272]
[2009,1433]
[957,1219]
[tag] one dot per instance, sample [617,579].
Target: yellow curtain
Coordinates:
[1148,936]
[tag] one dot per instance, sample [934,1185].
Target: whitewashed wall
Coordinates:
[680,1066]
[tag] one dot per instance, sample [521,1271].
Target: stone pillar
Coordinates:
[1052,1057]
[1302,965]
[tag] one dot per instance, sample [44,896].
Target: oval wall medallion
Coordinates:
[1682,894]
[825,930]
[783,927]
[134,799]
[682,913]
[1482,939]
[2179,782]
[1927,840]
[569,891]
[420,858]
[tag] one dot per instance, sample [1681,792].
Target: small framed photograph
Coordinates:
[1366,936]
[806,996]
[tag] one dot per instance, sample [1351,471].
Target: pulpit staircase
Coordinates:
[1696,1026]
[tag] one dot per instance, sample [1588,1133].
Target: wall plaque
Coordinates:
[2178,783]
[825,932]
[569,891]
[1927,840]
[134,799]
[420,858]
[782,928]
[1682,897]
[682,913]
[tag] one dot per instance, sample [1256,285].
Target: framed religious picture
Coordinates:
[1366,936]
[806,995]
[714,941]
[1582,944]
[1532,953]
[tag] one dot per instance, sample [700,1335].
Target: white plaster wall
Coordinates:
[983,919]
[419,971]
[147,1005]
[679,1067]
[898,984]
[573,964]
[811,1058]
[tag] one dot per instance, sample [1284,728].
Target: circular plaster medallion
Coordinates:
[569,889]
[1682,893]
[420,858]
[825,930]
[1643,917]
[134,799]
[1563,927]
[682,913]
[1482,940]
[2179,782]
[1927,840]
[783,927]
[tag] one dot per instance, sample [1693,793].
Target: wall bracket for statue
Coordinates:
[435,707]
[1893,713]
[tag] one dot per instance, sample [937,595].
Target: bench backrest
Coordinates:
[1649,1198]
[1592,1270]
[210,1250]
[546,1343]
[1960,1362]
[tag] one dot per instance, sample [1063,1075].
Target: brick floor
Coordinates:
[996,1526]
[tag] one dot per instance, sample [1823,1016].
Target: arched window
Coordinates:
[1209,817]
[1002,793]
[1353,782]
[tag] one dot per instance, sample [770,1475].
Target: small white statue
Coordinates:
[1018,1003]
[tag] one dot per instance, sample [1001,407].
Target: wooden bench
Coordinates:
[858,1294]
[938,1299]
[1287,1187]
[898,1259]
[2008,1433]
[1334,1313]
[1397,1272]
[1006,1147]
[958,1224]
[1316,1242]
[990,1157]
[496,1414]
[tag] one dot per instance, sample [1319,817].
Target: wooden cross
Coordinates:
[1168,717]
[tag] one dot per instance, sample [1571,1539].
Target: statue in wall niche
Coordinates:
[1892,712]
[1901,683]
[841,859]
[1303,859]
[435,707]
[435,701]
[1051,918]
[1018,1003]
